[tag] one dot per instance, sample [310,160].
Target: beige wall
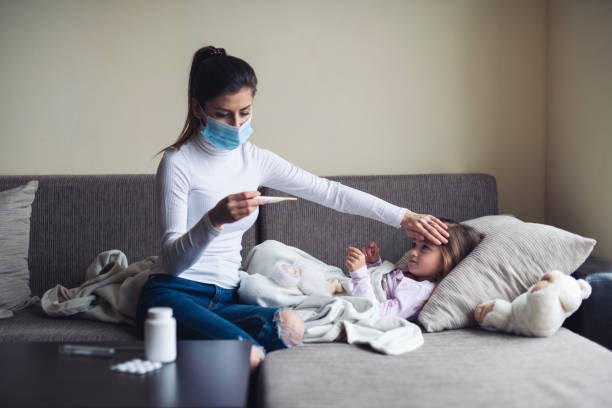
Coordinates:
[346,87]
[579,177]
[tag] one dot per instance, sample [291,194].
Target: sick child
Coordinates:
[408,287]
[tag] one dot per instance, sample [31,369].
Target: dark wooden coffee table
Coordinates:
[206,373]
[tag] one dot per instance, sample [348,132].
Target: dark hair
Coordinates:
[212,73]
[461,241]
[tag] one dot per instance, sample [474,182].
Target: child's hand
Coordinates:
[371,252]
[355,259]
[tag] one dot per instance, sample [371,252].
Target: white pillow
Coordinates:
[15,211]
[512,256]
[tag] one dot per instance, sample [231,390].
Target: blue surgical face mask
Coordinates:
[226,136]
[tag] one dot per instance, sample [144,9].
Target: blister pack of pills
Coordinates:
[136,366]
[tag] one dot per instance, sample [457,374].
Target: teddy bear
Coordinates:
[305,276]
[538,312]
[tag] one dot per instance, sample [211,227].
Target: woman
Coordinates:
[206,192]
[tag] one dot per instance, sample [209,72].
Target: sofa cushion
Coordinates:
[15,211]
[32,324]
[512,256]
[468,367]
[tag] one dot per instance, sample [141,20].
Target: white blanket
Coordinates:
[327,319]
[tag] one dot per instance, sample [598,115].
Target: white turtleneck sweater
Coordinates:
[192,180]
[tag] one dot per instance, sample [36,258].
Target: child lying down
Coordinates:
[408,287]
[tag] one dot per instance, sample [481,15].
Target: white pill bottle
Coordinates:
[160,335]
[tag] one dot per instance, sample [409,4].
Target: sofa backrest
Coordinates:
[76,217]
[326,234]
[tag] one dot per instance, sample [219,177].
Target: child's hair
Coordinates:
[461,241]
[212,73]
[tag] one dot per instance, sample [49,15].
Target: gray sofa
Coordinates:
[76,217]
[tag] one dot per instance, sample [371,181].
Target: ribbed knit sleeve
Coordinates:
[181,248]
[278,173]
[362,287]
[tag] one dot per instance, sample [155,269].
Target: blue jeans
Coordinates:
[204,311]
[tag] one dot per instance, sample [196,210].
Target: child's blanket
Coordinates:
[337,318]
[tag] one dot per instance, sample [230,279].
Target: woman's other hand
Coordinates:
[371,252]
[355,259]
[422,226]
[234,207]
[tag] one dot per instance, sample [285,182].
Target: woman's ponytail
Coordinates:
[200,55]
[212,73]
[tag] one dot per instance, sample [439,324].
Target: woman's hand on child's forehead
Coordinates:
[422,226]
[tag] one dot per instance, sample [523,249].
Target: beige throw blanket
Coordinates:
[110,292]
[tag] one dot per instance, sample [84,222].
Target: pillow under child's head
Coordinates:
[512,256]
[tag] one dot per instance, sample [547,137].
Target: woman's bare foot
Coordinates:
[257,355]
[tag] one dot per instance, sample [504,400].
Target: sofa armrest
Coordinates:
[592,265]
[593,319]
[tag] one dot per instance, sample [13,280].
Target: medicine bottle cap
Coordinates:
[159,312]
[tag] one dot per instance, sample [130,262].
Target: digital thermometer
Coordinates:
[271,200]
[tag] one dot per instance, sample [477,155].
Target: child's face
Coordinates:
[425,260]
